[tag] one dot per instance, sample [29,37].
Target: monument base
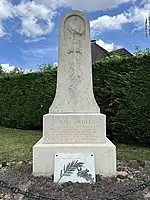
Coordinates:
[43,156]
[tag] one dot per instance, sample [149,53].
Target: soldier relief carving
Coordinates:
[74,38]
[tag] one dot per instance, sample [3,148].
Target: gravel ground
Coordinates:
[129,175]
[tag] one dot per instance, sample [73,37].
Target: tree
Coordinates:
[1,70]
[16,70]
[138,52]
[47,67]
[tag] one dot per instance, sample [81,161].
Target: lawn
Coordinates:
[16,145]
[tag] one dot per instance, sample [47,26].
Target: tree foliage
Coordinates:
[47,67]
[1,70]
[16,70]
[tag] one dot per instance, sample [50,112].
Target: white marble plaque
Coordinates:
[74,167]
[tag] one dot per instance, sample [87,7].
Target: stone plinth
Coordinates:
[105,157]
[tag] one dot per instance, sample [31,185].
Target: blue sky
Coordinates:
[29,29]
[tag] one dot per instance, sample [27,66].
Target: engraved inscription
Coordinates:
[77,122]
[74,131]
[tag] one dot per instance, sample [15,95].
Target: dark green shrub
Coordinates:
[121,88]
[25,98]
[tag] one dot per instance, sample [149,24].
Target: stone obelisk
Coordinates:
[74,122]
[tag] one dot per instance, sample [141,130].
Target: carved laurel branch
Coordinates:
[70,168]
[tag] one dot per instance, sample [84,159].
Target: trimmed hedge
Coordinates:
[25,98]
[124,96]
[121,89]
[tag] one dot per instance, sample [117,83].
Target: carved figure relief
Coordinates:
[74,37]
[75,28]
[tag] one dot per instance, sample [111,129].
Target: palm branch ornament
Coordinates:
[73,166]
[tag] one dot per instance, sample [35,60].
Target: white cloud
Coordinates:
[108,46]
[138,16]
[87,5]
[135,15]
[32,40]
[36,16]
[143,2]
[36,20]
[5,13]
[109,22]
[7,67]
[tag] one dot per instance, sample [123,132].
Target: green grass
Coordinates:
[16,145]
[128,152]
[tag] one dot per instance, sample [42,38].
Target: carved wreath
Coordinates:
[75,26]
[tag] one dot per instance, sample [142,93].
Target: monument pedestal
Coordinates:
[43,156]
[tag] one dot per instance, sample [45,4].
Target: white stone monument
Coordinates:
[74,123]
